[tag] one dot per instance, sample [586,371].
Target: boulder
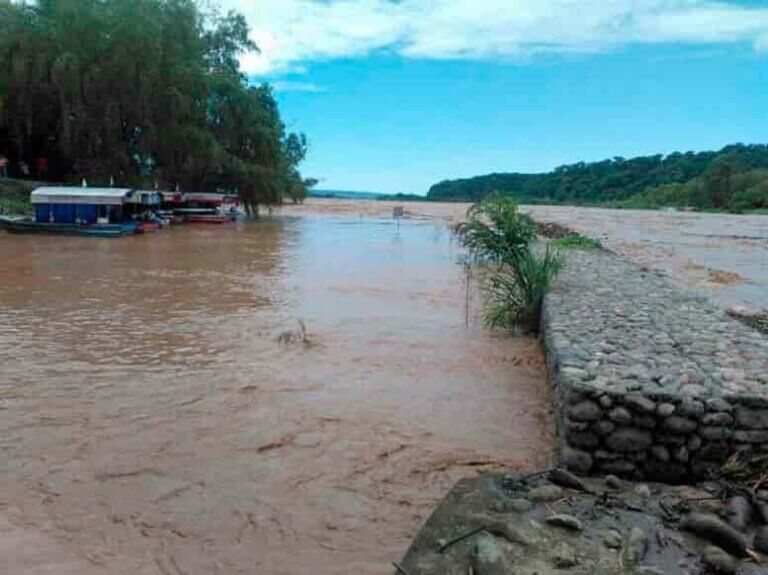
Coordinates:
[665,409]
[761,539]
[620,416]
[640,403]
[564,556]
[752,418]
[565,521]
[712,529]
[545,493]
[629,439]
[738,512]
[489,558]
[585,411]
[577,461]
[718,562]
[678,424]
[637,546]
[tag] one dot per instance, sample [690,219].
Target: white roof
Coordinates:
[79,195]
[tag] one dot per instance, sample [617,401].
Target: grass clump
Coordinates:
[577,243]
[497,234]
[517,289]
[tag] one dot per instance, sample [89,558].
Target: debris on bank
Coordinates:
[552,230]
[554,522]
[753,318]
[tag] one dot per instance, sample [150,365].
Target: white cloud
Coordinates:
[296,86]
[292,32]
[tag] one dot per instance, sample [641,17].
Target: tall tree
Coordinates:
[142,92]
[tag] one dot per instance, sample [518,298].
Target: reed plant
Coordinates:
[516,289]
[495,229]
[520,273]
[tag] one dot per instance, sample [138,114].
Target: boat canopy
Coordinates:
[204,198]
[75,195]
[144,198]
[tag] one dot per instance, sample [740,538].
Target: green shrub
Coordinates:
[577,242]
[14,195]
[495,230]
[516,290]
[751,199]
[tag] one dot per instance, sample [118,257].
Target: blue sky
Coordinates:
[507,85]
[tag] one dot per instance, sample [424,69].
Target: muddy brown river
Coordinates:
[161,411]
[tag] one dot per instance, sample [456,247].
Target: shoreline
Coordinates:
[620,412]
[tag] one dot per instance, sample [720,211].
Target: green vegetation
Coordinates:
[495,230]
[724,186]
[14,195]
[735,178]
[497,234]
[143,92]
[577,242]
[401,197]
[517,288]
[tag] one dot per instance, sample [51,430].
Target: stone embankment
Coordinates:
[650,382]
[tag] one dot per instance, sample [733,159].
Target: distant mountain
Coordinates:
[344,194]
[618,179]
[350,195]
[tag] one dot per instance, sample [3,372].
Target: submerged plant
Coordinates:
[516,289]
[296,337]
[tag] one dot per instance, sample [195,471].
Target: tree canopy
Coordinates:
[141,93]
[733,178]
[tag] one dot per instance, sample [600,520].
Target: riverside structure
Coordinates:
[650,382]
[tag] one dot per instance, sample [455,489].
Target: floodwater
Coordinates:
[723,257]
[161,411]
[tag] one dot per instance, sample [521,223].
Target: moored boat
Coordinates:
[29,226]
[202,209]
[172,218]
[205,217]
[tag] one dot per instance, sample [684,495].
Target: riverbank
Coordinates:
[651,384]
[650,381]
[722,257]
[555,523]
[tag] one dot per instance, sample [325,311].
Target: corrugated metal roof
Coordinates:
[79,195]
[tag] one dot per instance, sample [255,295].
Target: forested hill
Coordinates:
[140,93]
[614,180]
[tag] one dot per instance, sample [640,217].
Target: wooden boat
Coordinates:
[202,215]
[202,209]
[212,218]
[29,226]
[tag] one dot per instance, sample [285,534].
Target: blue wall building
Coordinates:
[65,205]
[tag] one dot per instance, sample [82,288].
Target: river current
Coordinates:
[286,396]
